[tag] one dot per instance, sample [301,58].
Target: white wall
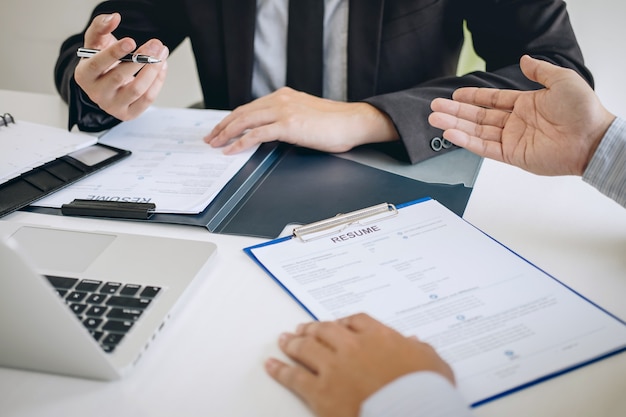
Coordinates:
[600,27]
[31,32]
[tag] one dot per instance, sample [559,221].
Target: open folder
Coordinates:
[277,185]
[37,160]
[283,184]
[500,322]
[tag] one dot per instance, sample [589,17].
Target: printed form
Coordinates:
[170,165]
[499,321]
[25,145]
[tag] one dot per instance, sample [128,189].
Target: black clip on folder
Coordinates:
[113,209]
[45,179]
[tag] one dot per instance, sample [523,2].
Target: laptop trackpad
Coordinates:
[61,249]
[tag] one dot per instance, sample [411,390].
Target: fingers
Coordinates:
[123,90]
[477,121]
[487,97]
[470,112]
[337,333]
[99,31]
[477,145]
[294,378]
[332,334]
[141,77]
[360,322]
[309,353]
[228,128]
[145,88]
[90,69]
[255,125]
[546,73]
[255,117]
[315,343]
[99,36]
[476,129]
[540,71]
[307,350]
[445,121]
[262,134]
[482,140]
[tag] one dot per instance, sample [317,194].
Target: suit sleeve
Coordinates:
[502,32]
[141,20]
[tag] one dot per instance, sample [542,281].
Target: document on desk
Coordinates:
[37,160]
[502,323]
[170,165]
[25,145]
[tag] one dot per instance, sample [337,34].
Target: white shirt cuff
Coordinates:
[418,394]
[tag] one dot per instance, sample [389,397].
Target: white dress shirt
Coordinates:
[270,48]
[420,394]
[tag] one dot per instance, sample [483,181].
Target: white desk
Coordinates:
[208,362]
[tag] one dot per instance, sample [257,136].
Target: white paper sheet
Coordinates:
[24,146]
[170,164]
[498,320]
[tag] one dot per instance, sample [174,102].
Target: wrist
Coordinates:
[597,137]
[376,125]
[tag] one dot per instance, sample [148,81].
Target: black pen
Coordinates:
[136,58]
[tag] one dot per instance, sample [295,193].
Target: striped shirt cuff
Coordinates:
[607,169]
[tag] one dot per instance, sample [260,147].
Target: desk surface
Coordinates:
[208,361]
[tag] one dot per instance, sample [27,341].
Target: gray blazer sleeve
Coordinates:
[502,32]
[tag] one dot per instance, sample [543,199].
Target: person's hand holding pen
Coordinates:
[134,57]
[122,89]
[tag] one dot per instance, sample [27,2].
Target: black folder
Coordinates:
[284,184]
[42,180]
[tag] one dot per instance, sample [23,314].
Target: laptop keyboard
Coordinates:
[107,309]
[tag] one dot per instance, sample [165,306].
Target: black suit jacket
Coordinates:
[401,53]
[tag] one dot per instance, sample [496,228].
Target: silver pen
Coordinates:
[136,58]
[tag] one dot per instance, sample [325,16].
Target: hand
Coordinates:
[340,364]
[302,119]
[552,131]
[123,90]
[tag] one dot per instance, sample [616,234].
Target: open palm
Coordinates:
[551,131]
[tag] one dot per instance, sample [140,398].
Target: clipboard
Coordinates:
[283,184]
[42,172]
[502,323]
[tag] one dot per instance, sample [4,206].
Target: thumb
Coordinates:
[98,34]
[539,71]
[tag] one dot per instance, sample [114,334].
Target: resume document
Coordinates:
[170,164]
[500,322]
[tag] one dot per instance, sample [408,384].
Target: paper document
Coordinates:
[24,146]
[499,321]
[170,165]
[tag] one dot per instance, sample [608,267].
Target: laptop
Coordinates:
[89,304]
